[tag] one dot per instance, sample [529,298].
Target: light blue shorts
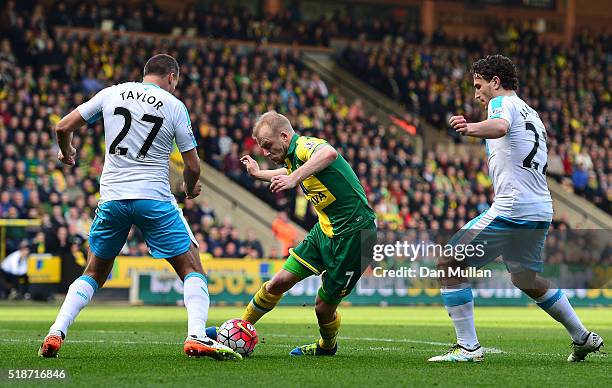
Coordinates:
[520,243]
[161,222]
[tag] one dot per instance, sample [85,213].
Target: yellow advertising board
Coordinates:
[44,268]
[121,275]
[238,276]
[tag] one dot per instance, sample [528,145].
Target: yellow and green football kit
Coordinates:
[332,248]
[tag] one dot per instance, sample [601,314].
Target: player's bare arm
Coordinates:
[322,157]
[64,130]
[252,168]
[191,173]
[487,129]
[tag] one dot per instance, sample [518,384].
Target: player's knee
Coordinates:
[444,265]
[523,280]
[320,307]
[446,262]
[280,284]
[276,287]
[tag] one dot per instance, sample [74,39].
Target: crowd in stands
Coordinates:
[224,89]
[219,20]
[568,86]
[37,88]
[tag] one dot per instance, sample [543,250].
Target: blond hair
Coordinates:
[275,121]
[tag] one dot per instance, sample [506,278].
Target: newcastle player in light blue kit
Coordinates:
[517,155]
[142,120]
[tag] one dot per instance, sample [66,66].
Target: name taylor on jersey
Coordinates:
[141,96]
[141,124]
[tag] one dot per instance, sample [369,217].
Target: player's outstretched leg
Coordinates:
[459,303]
[262,302]
[197,302]
[265,300]
[329,327]
[267,297]
[79,295]
[270,294]
[555,303]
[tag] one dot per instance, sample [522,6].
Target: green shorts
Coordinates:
[337,259]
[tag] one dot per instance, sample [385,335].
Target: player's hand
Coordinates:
[69,158]
[251,165]
[197,189]
[459,124]
[282,182]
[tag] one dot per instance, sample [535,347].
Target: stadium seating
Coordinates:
[34,185]
[575,109]
[225,88]
[567,86]
[401,189]
[227,22]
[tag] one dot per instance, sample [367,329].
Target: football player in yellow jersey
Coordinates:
[333,246]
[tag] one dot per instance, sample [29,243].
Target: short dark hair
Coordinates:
[500,66]
[161,64]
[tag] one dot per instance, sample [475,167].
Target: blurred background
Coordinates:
[377,79]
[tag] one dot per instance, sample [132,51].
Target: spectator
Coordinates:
[284,231]
[580,178]
[192,212]
[252,246]
[555,165]
[275,253]
[207,211]
[318,84]
[230,250]
[14,273]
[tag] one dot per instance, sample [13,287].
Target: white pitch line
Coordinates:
[126,342]
[395,349]
[98,331]
[396,340]
[401,340]
[369,339]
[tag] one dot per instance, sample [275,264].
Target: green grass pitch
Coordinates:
[127,346]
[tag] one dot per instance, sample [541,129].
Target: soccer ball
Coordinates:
[239,335]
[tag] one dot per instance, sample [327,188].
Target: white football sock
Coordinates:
[459,303]
[555,303]
[197,301]
[79,295]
